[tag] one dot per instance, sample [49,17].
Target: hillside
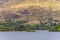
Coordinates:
[39,10]
[29,15]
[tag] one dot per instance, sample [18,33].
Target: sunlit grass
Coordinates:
[46,5]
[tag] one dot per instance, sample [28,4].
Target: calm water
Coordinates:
[39,35]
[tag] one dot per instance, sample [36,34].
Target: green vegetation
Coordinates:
[12,26]
[9,25]
[56,28]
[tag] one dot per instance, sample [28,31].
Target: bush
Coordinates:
[56,28]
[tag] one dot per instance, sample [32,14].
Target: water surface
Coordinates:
[39,35]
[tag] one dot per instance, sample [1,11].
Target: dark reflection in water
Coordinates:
[39,35]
